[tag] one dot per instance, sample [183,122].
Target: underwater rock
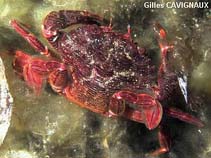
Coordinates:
[6,102]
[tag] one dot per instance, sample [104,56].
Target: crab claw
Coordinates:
[56,21]
[141,108]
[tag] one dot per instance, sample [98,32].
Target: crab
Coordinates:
[101,70]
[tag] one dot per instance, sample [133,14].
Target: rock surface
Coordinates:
[6,103]
[48,126]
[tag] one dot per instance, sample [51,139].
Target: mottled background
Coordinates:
[48,126]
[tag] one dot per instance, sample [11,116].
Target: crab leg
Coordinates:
[128,34]
[35,70]
[30,38]
[164,46]
[167,80]
[146,109]
[176,113]
[58,79]
[164,141]
[56,21]
[163,137]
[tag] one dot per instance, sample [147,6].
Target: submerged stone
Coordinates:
[6,102]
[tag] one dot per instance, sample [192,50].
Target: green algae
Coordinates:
[50,126]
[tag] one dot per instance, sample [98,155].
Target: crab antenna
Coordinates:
[30,38]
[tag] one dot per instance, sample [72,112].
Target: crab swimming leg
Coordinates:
[144,109]
[30,38]
[56,21]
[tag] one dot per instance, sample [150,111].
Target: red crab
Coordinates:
[101,70]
